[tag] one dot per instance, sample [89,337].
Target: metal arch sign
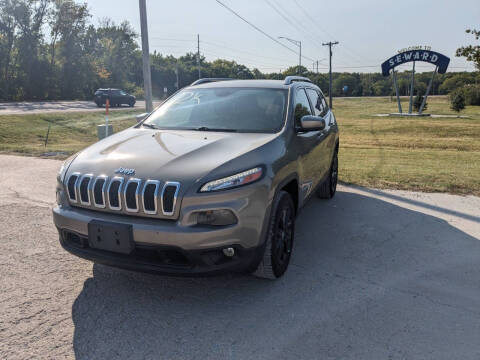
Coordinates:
[432,57]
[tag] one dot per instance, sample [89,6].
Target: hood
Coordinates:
[166,155]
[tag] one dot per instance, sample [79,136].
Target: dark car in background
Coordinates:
[117,97]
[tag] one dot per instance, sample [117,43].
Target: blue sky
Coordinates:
[369,32]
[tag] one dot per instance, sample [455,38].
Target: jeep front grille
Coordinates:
[128,196]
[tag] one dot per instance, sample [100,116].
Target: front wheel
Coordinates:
[328,188]
[279,241]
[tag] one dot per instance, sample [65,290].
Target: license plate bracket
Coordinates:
[109,236]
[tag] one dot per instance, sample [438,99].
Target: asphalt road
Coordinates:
[374,275]
[20,108]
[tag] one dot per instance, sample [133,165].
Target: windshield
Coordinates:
[223,109]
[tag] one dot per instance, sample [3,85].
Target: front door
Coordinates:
[309,144]
[325,151]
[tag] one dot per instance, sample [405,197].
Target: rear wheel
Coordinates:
[131,103]
[328,188]
[279,241]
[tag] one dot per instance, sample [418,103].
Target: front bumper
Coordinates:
[175,246]
[168,260]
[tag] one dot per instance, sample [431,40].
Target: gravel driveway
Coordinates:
[375,275]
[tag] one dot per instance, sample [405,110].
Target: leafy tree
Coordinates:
[471,52]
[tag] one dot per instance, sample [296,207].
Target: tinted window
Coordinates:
[316,102]
[302,106]
[240,109]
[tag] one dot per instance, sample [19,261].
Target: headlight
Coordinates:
[243,178]
[63,169]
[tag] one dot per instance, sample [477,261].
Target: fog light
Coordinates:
[229,252]
[220,217]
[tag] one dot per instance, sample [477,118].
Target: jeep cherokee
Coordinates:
[210,181]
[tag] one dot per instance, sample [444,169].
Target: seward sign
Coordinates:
[429,56]
[414,54]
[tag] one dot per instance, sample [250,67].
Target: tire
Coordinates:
[98,104]
[328,188]
[279,241]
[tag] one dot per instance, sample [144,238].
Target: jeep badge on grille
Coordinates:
[125,171]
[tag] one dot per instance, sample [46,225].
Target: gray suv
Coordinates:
[211,181]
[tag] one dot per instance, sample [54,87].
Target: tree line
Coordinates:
[49,50]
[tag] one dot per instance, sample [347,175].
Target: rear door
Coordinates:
[308,144]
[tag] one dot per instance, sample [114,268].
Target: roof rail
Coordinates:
[208,80]
[291,79]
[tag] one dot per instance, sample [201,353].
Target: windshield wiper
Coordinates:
[151,126]
[205,128]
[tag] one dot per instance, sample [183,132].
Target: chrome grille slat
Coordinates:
[72,188]
[101,205]
[150,197]
[79,188]
[137,191]
[167,184]
[120,180]
[154,199]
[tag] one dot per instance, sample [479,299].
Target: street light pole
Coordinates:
[147,78]
[299,44]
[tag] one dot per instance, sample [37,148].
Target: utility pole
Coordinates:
[317,66]
[330,44]
[147,78]
[198,56]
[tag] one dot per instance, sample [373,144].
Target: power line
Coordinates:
[292,23]
[312,20]
[258,29]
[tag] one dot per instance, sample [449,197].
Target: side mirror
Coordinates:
[141,117]
[312,123]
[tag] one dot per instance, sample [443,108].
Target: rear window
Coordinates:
[234,109]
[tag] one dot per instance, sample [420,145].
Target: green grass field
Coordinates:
[69,132]
[423,154]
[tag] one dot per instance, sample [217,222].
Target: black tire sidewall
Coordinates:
[334,190]
[285,200]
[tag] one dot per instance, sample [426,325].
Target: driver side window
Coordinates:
[302,106]
[318,102]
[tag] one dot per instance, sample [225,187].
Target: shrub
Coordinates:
[472,94]
[417,102]
[457,100]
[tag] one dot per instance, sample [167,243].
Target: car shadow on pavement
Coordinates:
[368,280]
